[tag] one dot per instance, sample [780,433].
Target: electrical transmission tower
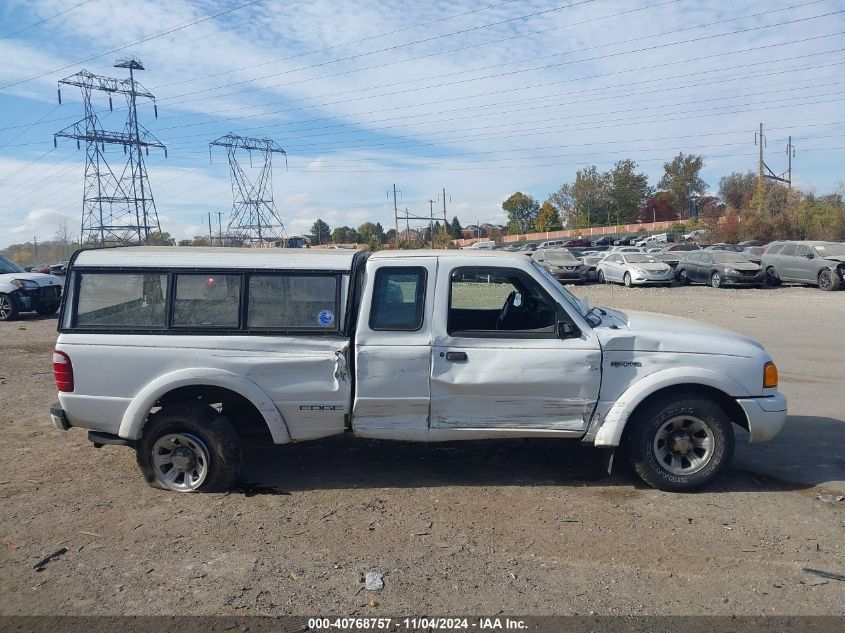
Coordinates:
[254,217]
[117,203]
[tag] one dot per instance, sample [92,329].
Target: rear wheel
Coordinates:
[8,311]
[828,280]
[187,447]
[680,442]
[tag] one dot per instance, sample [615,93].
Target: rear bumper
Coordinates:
[766,416]
[58,417]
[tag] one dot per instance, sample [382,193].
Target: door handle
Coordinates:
[456,356]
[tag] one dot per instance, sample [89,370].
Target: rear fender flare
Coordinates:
[135,416]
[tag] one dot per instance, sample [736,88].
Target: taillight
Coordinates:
[62,371]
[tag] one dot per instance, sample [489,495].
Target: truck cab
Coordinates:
[189,354]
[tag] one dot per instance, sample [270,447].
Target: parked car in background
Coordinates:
[626,249]
[697,235]
[476,246]
[751,243]
[528,249]
[628,240]
[44,269]
[681,247]
[604,240]
[634,269]
[820,264]
[719,268]
[513,247]
[563,265]
[22,291]
[671,259]
[550,244]
[59,268]
[576,243]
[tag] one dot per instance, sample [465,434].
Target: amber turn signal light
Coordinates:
[770,375]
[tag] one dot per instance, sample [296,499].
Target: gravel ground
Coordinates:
[510,527]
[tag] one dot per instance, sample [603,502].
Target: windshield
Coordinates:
[8,266]
[560,256]
[571,299]
[640,258]
[724,257]
[830,249]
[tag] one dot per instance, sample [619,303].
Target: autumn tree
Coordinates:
[371,233]
[737,189]
[548,218]
[681,179]
[589,195]
[626,191]
[522,211]
[563,201]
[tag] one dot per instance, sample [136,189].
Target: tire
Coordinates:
[601,278]
[47,310]
[683,278]
[688,416]
[200,434]
[715,279]
[828,280]
[772,277]
[627,280]
[8,309]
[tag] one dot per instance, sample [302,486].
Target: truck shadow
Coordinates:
[807,453]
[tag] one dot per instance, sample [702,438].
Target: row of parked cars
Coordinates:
[814,263]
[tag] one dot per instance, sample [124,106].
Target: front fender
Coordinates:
[133,419]
[608,430]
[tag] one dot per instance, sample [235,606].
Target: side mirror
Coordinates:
[567,329]
[810,255]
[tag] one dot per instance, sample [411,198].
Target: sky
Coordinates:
[481,98]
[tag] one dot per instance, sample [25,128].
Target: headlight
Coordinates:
[639,271]
[731,271]
[27,284]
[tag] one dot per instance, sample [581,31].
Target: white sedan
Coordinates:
[634,269]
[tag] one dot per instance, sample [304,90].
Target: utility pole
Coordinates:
[431,220]
[396,216]
[763,170]
[220,227]
[210,239]
[35,245]
[117,204]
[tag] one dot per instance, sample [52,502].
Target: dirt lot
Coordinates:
[506,527]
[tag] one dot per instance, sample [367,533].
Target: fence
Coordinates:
[593,231]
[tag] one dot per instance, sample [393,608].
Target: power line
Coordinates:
[343,73]
[40,22]
[130,44]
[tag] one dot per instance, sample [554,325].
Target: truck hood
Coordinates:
[42,279]
[649,332]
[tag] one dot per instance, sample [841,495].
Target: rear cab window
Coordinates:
[398,299]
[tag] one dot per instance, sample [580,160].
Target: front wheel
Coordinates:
[716,280]
[683,278]
[601,278]
[772,277]
[828,280]
[188,447]
[680,442]
[8,310]
[627,280]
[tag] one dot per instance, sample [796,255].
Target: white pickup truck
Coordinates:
[187,354]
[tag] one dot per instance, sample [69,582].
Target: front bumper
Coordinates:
[652,278]
[576,275]
[27,300]
[745,280]
[58,417]
[766,416]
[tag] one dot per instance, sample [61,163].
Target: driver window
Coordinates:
[499,302]
[802,251]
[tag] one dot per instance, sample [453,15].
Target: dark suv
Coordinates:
[821,264]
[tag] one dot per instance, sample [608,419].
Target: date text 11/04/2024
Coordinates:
[436,623]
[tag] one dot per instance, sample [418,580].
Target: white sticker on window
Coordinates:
[325,318]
